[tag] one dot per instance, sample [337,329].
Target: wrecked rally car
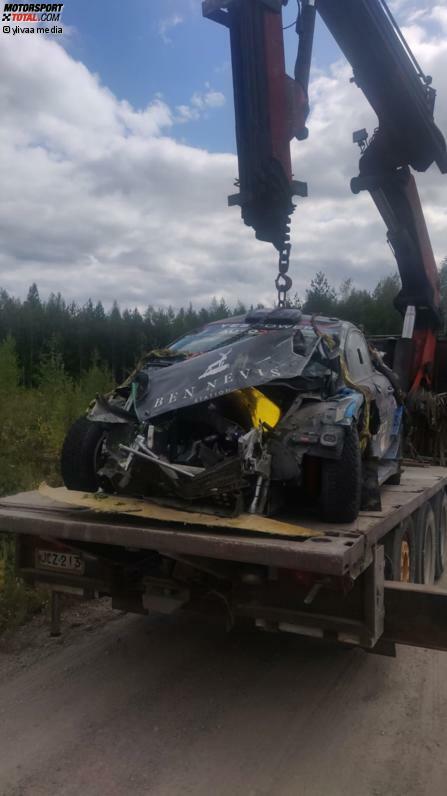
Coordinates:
[271,411]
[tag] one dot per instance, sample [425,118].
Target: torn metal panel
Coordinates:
[258,357]
[143,508]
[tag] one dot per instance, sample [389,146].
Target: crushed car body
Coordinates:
[253,413]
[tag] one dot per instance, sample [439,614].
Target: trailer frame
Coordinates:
[340,592]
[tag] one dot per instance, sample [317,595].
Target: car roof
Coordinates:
[287,315]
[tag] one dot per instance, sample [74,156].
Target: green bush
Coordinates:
[34,420]
[33,423]
[18,602]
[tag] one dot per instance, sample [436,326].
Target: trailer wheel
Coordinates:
[441,534]
[80,454]
[426,545]
[402,553]
[341,482]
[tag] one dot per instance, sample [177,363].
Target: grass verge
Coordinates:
[18,602]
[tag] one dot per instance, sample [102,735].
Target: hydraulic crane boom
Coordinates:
[403,99]
[271,108]
[392,81]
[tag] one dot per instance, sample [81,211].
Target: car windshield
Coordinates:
[211,337]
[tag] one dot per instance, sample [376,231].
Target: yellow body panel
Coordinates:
[260,408]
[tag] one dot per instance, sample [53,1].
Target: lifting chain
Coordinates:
[283,282]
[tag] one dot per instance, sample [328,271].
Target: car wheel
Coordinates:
[80,453]
[341,482]
[426,541]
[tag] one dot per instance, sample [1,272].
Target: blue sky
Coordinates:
[138,52]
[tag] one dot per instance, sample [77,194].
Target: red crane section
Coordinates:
[271,108]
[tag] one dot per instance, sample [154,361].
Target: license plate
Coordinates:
[59,562]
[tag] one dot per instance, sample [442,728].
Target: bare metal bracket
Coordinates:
[373,601]
[217,10]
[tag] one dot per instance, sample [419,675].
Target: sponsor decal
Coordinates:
[215,387]
[216,367]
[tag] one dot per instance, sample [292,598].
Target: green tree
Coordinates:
[385,318]
[346,289]
[9,368]
[321,297]
[16,469]
[356,306]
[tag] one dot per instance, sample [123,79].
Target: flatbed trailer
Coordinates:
[330,581]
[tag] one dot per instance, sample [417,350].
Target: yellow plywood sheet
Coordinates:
[113,504]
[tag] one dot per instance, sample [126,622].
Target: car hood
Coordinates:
[263,356]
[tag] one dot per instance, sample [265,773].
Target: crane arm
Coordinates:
[271,108]
[392,81]
[403,98]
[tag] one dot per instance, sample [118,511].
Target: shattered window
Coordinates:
[316,368]
[318,365]
[304,341]
[211,337]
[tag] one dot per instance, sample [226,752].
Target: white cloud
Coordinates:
[207,99]
[200,102]
[99,199]
[167,24]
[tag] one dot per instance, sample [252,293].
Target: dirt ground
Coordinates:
[32,642]
[124,705]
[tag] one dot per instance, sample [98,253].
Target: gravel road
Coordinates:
[128,706]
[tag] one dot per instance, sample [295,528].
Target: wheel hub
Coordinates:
[405,561]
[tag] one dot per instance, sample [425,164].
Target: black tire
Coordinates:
[341,482]
[80,453]
[426,545]
[394,480]
[440,510]
[401,553]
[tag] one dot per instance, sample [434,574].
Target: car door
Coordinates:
[362,372]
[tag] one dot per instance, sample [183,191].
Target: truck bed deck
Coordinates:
[338,550]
